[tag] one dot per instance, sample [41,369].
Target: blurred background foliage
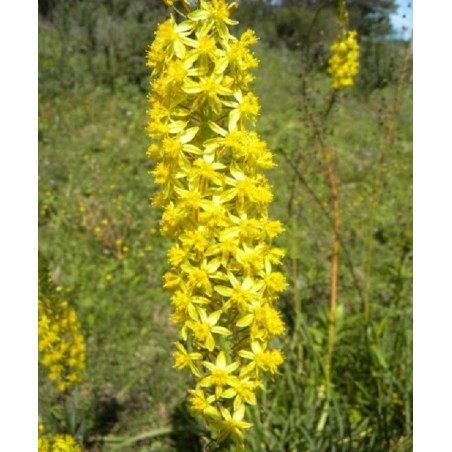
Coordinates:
[101,238]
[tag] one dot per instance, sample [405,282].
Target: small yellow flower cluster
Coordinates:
[56,443]
[344,63]
[215,204]
[61,345]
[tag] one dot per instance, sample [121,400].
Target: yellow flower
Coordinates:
[265,322]
[214,14]
[170,38]
[273,283]
[241,294]
[231,425]
[182,359]
[209,88]
[261,359]
[204,327]
[201,404]
[219,374]
[243,390]
[245,108]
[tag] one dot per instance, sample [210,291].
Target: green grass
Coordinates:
[100,235]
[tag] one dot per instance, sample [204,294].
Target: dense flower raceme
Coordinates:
[215,202]
[344,62]
[61,345]
[56,443]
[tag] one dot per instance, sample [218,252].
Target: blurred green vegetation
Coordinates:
[100,235]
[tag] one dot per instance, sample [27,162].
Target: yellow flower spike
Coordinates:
[344,62]
[215,209]
[61,345]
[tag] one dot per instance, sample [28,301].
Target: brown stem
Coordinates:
[335,257]
[318,201]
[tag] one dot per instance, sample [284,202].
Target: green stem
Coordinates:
[389,130]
